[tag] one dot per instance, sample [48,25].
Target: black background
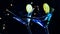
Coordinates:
[14,27]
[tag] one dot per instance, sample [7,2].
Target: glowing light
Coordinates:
[11,5]
[0,18]
[46,8]
[20,20]
[31,2]
[3,28]
[49,16]
[8,14]
[46,18]
[28,19]
[29,8]
[38,22]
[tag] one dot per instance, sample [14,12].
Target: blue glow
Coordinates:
[41,21]
[28,19]
[49,16]
[46,18]
[38,22]
[20,20]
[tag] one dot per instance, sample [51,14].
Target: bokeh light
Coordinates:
[46,8]
[29,8]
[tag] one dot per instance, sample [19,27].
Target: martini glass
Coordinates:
[37,20]
[29,10]
[49,12]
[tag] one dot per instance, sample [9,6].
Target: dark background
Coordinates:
[14,27]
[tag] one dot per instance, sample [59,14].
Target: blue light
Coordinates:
[28,19]
[38,22]
[49,16]
[20,20]
[46,18]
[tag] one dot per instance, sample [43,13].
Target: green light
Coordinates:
[29,8]
[46,8]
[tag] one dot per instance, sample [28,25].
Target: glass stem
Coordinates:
[29,30]
[28,24]
[46,30]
